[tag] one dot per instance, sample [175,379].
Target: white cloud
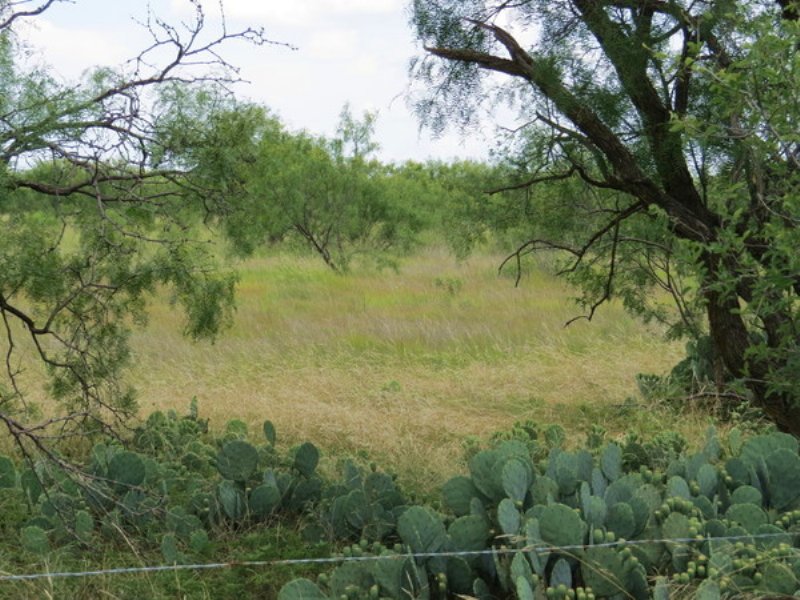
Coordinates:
[299,12]
[332,45]
[73,49]
[366,66]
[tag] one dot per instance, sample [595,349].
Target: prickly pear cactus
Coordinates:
[237,461]
[306,459]
[126,469]
[269,432]
[232,500]
[422,530]
[8,474]
[301,589]
[264,500]
[34,539]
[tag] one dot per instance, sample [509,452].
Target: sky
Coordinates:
[347,51]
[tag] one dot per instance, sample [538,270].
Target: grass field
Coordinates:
[405,366]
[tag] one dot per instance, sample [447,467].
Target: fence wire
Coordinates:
[373,558]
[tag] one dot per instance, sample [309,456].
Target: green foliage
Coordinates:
[565,541]
[237,461]
[96,214]
[558,536]
[657,159]
[294,188]
[8,474]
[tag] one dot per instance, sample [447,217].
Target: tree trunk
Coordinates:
[731,341]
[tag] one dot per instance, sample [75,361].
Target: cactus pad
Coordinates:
[237,461]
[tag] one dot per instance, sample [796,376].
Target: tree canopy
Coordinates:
[667,132]
[96,214]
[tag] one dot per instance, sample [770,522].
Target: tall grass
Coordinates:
[403,365]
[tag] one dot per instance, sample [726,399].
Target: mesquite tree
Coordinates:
[666,133]
[95,215]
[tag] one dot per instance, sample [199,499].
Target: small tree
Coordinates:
[95,215]
[670,128]
[328,194]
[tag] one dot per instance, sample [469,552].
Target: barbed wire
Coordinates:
[372,558]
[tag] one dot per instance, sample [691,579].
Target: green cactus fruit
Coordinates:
[301,589]
[516,478]
[306,459]
[611,462]
[783,484]
[421,529]
[508,517]
[231,499]
[561,526]
[126,469]
[469,533]
[749,516]
[620,520]
[263,500]
[746,494]
[457,494]
[8,473]
[269,432]
[237,461]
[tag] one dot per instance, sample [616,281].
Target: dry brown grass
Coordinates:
[403,365]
